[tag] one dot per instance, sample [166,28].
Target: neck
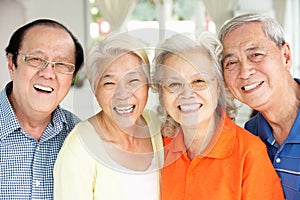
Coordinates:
[33,123]
[124,137]
[197,139]
[281,116]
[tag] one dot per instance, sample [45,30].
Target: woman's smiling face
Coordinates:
[122,91]
[190,91]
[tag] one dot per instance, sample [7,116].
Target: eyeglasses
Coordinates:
[60,67]
[178,86]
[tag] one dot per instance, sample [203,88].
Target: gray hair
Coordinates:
[180,44]
[103,52]
[270,26]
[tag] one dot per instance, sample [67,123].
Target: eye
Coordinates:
[60,64]
[174,85]
[134,83]
[63,66]
[198,84]
[257,54]
[29,58]
[229,65]
[256,57]
[33,59]
[198,81]
[134,80]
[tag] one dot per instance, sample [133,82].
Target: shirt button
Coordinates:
[38,148]
[278,160]
[37,183]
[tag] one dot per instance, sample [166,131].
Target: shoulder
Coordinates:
[74,150]
[73,139]
[70,117]
[244,140]
[251,124]
[248,142]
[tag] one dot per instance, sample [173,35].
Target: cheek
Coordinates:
[210,98]
[65,83]
[169,101]
[214,99]
[229,79]
[22,74]
[103,97]
[142,95]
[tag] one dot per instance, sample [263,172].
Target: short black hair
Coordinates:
[17,38]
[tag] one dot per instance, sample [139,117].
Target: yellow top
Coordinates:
[84,170]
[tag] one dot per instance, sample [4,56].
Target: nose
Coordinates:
[246,70]
[187,91]
[48,71]
[122,91]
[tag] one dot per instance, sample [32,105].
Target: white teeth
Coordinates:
[124,110]
[191,107]
[250,87]
[43,88]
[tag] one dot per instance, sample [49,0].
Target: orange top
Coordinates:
[237,167]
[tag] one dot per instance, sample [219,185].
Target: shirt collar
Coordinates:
[265,131]
[221,147]
[294,136]
[8,121]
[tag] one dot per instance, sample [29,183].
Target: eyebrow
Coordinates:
[38,51]
[41,54]
[226,56]
[252,49]
[179,77]
[202,74]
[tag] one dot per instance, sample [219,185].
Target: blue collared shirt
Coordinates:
[26,164]
[285,159]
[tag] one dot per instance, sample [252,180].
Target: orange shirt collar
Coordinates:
[222,148]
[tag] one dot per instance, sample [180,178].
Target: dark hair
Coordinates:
[17,38]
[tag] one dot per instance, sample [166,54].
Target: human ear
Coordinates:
[11,65]
[287,56]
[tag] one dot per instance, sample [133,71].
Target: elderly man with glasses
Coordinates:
[43,58]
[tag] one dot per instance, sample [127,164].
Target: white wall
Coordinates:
[256,5]
[71,13]
[12,15]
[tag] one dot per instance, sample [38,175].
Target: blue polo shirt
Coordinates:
[26,165]
[285,159]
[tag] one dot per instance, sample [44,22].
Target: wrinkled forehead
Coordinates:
[197,61]
[236,39]
[47,38]
[126,63]
[236,36]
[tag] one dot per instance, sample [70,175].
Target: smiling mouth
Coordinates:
[41,88]
[124,110]
[252,86]
[190,108]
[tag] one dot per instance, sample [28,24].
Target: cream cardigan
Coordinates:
[84,171]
